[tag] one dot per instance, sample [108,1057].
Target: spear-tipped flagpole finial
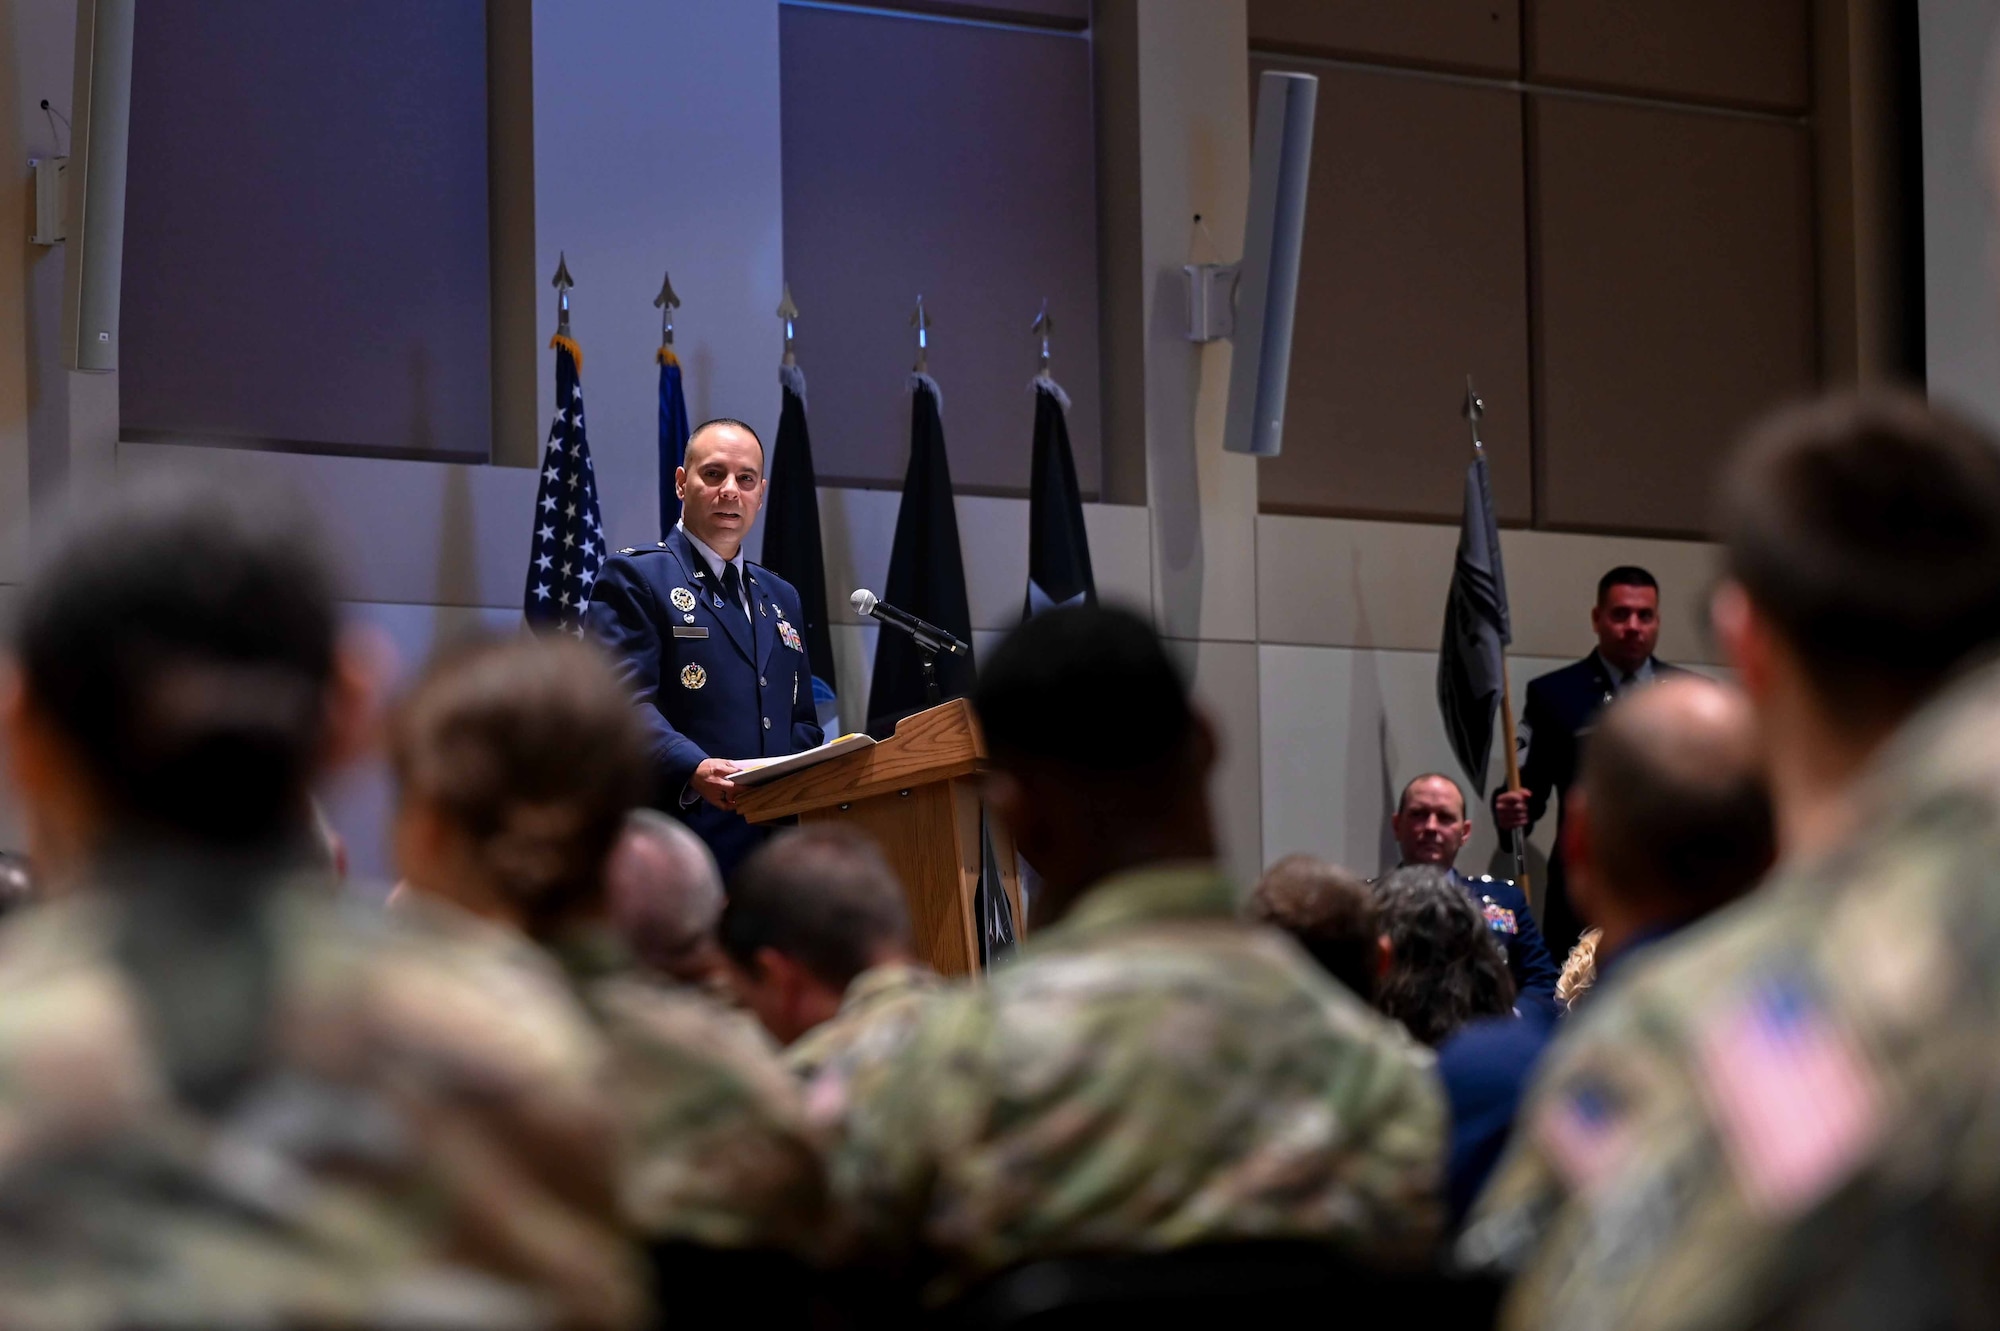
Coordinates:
[1042,327]
[666,303]
[562,282]
[1475,409]
[789,313]
[922,323]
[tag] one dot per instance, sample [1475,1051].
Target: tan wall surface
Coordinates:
[1482,35]
[1674,301]
[1735,52]
[1414,276]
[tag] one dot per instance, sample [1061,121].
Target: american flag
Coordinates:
[1796,1105]
[568,548]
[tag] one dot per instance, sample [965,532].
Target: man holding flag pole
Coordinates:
[1472,686]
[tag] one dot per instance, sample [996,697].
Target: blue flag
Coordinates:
[673,437]
[568,549]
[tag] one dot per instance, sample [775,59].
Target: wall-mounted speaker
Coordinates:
[102,102]
[1268,288]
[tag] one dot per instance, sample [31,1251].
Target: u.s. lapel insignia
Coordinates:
[693,676]
[682,598]
[789,636]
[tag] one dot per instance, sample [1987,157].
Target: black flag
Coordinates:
[926,574]
[791,531]
[1471,663]
[1058,548]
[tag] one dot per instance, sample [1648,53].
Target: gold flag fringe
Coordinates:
[569,344]
[667,356]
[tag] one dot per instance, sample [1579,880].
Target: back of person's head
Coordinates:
[180,643]
[1089,689]
[1445,968]
[1101,761]
[665,895]
[1330,911]
[528,749]
[822,896]
[1866,528]
[1679,818]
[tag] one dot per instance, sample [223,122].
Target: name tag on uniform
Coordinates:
[683,632]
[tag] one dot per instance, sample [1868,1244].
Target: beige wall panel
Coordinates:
[1224,677]
[1343,731]
[1414,275]
[1735,52]
[1481,35]
[1674,302]
[1345,583]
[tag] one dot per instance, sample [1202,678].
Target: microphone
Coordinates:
[927,635]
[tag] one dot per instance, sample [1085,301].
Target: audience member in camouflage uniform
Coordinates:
[229,1097]
[818,938]
[517,761]
[1152,1071]
[664,896]
[1788,1116]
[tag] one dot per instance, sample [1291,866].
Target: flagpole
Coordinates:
[1475,408]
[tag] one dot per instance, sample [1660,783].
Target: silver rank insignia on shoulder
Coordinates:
[629,550]
[693,676]
[683,600]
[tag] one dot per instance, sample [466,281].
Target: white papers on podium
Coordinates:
[758,771]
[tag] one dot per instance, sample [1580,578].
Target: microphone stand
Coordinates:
[932,694]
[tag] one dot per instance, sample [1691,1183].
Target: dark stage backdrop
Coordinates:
[307,227]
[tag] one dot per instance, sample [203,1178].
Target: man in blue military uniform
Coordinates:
[1431,827]
[711,645]
[1561,708]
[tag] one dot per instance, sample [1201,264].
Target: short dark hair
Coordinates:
[823,896]
[1444,968]
[1625,575]
[723,420]
[1680,822]
[1329,910]
[530,746]
[1089,688]
[1403,800]
[183,639]
[1866,527]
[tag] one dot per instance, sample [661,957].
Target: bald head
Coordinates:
[1677,817]
[666,896]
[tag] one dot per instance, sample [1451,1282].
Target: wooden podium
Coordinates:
[917,794]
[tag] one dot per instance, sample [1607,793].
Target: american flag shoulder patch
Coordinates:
[1794,1101]
[1585,1132]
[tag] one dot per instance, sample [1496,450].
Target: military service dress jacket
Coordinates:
[709,682]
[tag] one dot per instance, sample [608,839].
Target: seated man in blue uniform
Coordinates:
[710,644]
[1431,828]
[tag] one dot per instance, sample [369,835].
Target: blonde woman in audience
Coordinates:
[1579,972]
